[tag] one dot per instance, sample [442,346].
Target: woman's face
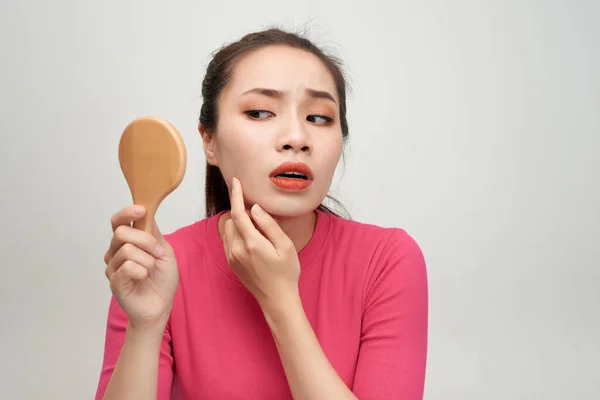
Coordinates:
[281,106]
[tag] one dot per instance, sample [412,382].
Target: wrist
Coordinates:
[146,333]
[151,322]
[282,310]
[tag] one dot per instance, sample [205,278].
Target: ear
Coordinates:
[209,144]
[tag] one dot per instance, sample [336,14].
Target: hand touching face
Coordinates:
[281,106]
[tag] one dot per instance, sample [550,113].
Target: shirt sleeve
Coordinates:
[393,349]
[115,337]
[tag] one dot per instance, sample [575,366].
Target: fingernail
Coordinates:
[257,210]
[159,250]
[138,210]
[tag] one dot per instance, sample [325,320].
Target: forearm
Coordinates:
[309,373]
[136,373]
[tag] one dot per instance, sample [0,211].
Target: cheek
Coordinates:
[331,157]
[240,144]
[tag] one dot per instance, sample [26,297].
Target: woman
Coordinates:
[272,296]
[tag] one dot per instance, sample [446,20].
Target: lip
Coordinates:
[292,184]
[293,167]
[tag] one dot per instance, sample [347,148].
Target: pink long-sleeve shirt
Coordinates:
[363,289]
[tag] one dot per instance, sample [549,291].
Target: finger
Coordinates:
[224,239]
[270,227]
[134,271]
[239,245]
[127,215]
[242,221]
[126,276]
[229,237]
[130,252]
[158,234]
[126,234]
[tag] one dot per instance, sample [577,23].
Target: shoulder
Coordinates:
[388,242]
[393,254]
[400,270]
[402,246]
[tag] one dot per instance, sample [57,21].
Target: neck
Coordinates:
[298,229]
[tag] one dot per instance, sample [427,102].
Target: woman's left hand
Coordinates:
[268,265]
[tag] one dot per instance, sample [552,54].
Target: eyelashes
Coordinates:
[326,120]
[261,114]
[256,114]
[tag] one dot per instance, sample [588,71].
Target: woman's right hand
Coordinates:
[142,270]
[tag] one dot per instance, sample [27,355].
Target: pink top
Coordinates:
[364,291]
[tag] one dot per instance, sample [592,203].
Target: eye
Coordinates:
[259,114]
[319,119]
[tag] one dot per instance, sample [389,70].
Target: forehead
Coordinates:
[281,68]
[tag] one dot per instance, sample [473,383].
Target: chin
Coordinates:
[289,208]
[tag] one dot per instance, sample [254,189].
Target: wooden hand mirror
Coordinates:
[153,159]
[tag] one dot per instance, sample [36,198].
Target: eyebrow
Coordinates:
[316,94]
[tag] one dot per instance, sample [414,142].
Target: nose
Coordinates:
[294,137]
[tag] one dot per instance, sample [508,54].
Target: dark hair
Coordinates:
[219,74]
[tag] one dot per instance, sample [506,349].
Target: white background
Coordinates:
[474,126]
